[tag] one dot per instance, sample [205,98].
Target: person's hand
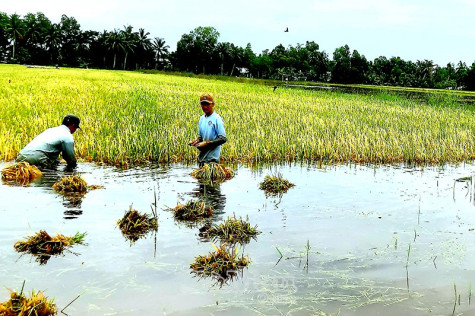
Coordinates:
[203,144]
[193,142]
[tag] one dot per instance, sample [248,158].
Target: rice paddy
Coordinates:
[43,246]
[132,118]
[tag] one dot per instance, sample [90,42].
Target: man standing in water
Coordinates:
[211,132]
[44,149]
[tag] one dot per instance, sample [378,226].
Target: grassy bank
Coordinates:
[130,117]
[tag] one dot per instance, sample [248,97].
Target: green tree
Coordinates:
[70,37]
[470,78]
[115,44]
[340,72]
[129,42]
[318,62]
[461,74]
[143,47]
[358,68]
[14,30]
[88,47]
[53,42]
[424,73]
[160,49]
[36,30]
[195,50]
[4,40]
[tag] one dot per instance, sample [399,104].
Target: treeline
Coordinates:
[34,39]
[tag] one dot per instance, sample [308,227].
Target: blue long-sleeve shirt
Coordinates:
[209,128]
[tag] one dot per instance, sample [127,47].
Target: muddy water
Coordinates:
[354,240]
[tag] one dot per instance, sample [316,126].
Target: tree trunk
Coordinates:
[14,43]
[125,60]
[113,64]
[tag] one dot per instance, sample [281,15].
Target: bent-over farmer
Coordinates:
[44,149]
[211,133]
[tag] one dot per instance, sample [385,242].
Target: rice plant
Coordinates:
[192,210]
[135,225]
[233,230]
[222,264]
[213,173]
[44,246]
[71,184]
[35,304]
[21,172]
[275,184]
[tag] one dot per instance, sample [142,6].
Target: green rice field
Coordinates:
[132,118]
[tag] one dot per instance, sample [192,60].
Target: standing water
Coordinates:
[348,240]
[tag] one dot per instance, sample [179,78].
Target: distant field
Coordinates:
[130,118]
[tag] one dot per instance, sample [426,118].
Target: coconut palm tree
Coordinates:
[14,30]
[53,42]
[115,44]
[130,40]
[160,49]
[144,45]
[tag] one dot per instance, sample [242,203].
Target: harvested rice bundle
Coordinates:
[135,225]
[37,304]
[233,230]
[71,184]
[192,210]
[275,184]
[223,263]
[44,245]
[21,172]
[213,172]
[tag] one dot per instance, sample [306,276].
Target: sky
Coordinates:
[439,30]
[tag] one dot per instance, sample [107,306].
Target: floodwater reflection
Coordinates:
[343,235]
[211,195]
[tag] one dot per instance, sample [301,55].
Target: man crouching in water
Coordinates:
[44,149]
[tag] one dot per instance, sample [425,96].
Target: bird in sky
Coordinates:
[286,29]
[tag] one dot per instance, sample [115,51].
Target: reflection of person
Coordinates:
[211,132]
[44,149]
[211,194]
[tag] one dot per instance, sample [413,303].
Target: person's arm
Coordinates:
[211,144]
[67,152]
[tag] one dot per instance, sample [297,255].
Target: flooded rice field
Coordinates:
[345,240]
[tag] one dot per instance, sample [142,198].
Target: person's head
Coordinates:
[207,103]
[72,122]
